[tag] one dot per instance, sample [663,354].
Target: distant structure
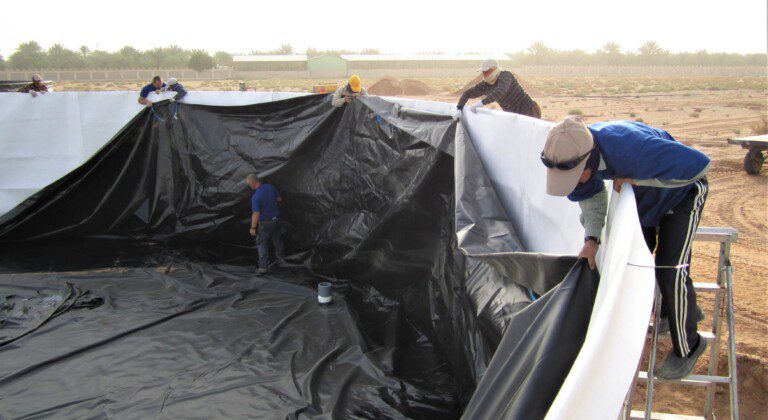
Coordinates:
[367,66]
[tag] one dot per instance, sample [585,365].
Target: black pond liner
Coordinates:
[128,287]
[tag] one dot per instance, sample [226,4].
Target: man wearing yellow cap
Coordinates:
[670,183]
[346,93]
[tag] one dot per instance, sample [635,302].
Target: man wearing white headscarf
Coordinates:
[500,86]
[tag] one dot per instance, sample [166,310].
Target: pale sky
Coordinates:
[393,26]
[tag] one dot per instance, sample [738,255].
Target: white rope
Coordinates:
[676,267]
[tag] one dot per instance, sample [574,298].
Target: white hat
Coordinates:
[489,63]
[36,78]
[172,81]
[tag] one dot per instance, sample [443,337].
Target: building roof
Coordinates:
[423,57]
[270,58]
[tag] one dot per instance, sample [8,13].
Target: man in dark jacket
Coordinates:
[37,86]
[173,85]
[670,186]
[500,86]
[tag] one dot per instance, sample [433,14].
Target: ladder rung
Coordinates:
[695,380]
[703,286]
[635,414]
[717,234]
[707,335]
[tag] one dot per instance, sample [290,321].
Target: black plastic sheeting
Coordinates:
[128,286]
[514,385]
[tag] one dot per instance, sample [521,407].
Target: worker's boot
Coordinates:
[676,367]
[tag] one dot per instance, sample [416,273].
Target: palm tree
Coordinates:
[539,49]
[650,53]
[612,52]
[611,48]
[650,48]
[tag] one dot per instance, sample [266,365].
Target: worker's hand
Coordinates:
[172,99]
[33,93]
[474,107]
[617,183]
[252,232]
[162,89]
[347,99]
[43,92]
[589,251]
[148,104]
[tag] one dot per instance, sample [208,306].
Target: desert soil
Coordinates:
[702,112]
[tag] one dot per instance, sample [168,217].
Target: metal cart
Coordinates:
[756,146]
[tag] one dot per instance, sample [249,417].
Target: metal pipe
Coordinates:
[731,340]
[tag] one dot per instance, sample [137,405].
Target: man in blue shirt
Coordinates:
[155,86]
[265,220]
[670,186]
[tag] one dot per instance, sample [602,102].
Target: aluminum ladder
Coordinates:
[723,291]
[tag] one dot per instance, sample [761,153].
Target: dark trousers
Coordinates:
[673,240]
[269,230]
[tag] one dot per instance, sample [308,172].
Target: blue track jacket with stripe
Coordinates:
[662,168]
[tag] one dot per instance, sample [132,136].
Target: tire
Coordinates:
[753,161]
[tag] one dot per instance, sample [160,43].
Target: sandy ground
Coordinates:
[702,112]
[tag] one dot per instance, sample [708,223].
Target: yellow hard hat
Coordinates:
[355,83]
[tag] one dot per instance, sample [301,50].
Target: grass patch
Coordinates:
[575,111]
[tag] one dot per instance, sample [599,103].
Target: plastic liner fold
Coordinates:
[390,204]
[537,351]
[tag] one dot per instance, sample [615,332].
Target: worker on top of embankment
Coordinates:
[173,85]
[347,93]
[37,86]
[155,86]
[670,190]
[500,86]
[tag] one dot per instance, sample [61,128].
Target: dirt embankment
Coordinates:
[389,86]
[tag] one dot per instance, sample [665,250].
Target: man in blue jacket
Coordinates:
[265,220]
[670,185]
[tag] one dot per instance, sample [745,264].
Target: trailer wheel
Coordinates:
[753,161]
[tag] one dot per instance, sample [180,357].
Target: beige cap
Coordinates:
[488,63]
[36,78]
[566,141]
